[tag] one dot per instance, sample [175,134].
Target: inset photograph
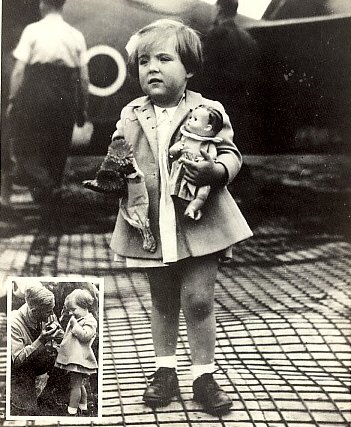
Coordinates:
[54,351]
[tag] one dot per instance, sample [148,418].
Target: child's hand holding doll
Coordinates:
[194,169]
[205,172]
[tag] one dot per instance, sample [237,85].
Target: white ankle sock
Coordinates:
[71,410]
[83,406]
[166,362]
[198,370]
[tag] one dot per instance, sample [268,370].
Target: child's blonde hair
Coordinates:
[187,44]
[82,298]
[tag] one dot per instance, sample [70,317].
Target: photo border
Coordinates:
[101,282]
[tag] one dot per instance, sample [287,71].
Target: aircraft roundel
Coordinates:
[102,49]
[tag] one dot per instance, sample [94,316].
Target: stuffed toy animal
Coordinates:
[120,175]
[111,176]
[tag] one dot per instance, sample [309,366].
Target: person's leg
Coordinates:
[198,279]
[56,156]
[75,393]
[165,298]
[6,188]
[83,403]
[6,165]
[7,210]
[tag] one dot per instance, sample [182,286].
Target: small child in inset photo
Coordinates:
[75,354]
[198,133]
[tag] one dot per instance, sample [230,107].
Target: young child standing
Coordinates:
[75,354]
[182,271]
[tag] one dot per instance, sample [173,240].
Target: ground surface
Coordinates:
[282,304]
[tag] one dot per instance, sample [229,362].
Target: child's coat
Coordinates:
[222,223]
[76,344]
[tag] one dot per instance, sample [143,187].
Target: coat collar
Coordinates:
[145,113]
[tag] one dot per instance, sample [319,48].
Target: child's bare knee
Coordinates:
[199,309]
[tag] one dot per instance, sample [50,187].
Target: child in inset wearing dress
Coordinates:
[75,354]
[182,270]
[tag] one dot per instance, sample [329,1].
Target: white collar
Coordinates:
[170,110]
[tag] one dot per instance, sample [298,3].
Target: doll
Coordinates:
[119,175]
[199,132]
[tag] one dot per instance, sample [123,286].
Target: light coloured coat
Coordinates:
[76,344]
[222,223]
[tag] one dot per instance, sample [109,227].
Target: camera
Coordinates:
[52,326]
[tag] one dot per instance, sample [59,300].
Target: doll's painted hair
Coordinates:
[215,118]
[187,44]
[82,298]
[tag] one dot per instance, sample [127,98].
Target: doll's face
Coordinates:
[197,123]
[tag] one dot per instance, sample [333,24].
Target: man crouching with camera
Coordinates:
[35,334]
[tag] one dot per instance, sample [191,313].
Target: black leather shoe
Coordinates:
[163,387]
[210,395]
[83,412]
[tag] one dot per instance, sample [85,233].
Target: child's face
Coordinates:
[162,74]
[75,310]
[198,122]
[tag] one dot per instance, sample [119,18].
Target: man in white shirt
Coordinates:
[48,94]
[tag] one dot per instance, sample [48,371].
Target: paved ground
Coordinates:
[282,305]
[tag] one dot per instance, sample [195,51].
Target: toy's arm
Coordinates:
[175,151]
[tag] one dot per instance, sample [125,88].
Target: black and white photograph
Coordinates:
[175,181]
[54,348]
